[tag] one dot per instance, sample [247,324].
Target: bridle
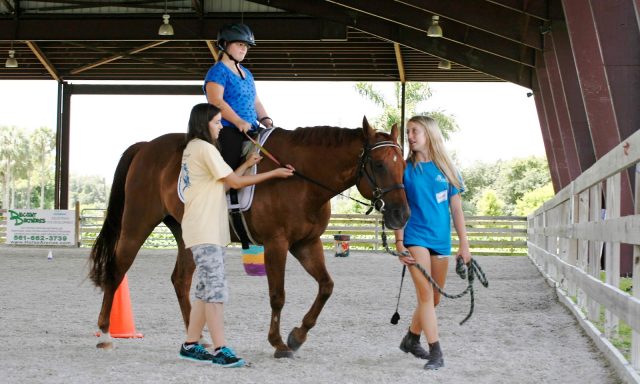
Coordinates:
[369,173]
[365,158]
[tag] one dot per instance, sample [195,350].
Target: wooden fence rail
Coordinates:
[488,235]
[567,237]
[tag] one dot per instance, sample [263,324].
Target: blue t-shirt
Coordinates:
[428,193]
[238,93]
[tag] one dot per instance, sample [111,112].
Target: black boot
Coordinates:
[436,360]
[411,344]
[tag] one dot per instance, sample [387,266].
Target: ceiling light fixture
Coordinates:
[434,29]
[11,61]
[444,64]
[165,29]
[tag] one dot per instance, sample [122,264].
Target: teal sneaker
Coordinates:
[225,357]
[195,352]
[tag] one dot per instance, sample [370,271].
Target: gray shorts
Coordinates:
[211,283]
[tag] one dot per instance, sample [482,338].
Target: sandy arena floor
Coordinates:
[519,332]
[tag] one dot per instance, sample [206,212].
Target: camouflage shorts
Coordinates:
[211,283]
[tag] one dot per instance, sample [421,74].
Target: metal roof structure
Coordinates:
[355,40]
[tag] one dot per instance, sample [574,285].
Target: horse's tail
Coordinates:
[103,252]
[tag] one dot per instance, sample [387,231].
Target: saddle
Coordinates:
[239,201]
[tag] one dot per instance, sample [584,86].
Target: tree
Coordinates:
[509,179]
[12,158]
[43,142]
[25,159]
[479,177]
[520,176]
[532,200]
[489,204]
[90,191]
[415,93]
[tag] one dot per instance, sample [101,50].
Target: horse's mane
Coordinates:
[324,135]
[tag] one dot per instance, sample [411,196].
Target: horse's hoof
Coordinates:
[104,341]
[283,354]
[105,345]
[293,342]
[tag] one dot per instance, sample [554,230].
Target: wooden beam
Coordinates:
[533,8]
[486,16]
[117,57]
[410,17]
[267,27]
[128,56]
[43,60]
[412,38]
[213,50]
[8,5]
[396,48]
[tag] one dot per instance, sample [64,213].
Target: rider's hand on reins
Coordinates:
[244,126]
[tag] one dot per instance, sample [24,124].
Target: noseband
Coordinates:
[365,159]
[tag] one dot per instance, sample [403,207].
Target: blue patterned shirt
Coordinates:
[238,93]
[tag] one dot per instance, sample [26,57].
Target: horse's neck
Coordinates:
[336,168]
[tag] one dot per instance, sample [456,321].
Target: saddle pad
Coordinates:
[245,195]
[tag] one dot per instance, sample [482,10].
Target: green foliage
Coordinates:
[15,167]
[415,93]
[90,191]
[27,163]
[508,181]
[511,180]
[523,175]
[489,204]
[478,178]
[532,200]
[43,143]
[340,204]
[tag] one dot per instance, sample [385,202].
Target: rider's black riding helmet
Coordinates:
[235,32]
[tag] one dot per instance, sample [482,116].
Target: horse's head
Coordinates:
[380,172]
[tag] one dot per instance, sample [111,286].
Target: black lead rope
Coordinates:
[465,271]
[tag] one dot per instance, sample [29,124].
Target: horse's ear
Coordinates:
[394,132]
[366,128]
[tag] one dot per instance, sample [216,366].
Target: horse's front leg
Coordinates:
[311,256]
[275,261]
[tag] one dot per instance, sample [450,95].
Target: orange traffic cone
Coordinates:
[122,325]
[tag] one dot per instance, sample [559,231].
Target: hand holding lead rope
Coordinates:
[465,271]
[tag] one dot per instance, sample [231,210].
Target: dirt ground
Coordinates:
[519,332]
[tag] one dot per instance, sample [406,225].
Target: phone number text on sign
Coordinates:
[40,227]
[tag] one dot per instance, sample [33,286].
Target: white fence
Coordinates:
[488,235]
[567,237]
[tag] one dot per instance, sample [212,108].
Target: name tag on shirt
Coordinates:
[441,196]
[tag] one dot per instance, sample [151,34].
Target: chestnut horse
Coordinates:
[286,215]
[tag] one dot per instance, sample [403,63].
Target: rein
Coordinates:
[364,160]
[465,271]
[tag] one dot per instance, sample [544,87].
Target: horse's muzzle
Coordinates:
[395,217]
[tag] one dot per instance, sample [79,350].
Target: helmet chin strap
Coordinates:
[237,63]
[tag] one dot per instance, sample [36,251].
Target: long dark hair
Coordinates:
[201,115]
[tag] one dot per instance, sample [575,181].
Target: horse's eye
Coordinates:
[379,166]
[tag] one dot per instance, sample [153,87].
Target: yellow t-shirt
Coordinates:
[205,205]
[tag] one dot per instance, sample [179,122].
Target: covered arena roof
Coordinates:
[355,40]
